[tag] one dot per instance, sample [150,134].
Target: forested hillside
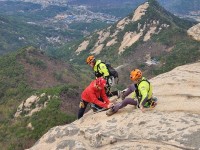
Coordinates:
[47,91]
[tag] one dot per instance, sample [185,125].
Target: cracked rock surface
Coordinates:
[174,124]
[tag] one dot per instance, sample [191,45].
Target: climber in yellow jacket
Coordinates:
[101,70]
[142,94]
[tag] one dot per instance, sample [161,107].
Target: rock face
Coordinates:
[195,32]
[173,125]
[32,104]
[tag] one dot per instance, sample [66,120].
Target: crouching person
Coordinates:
[142,94]
[94,94]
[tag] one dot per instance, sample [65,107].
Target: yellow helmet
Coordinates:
[135,74]
[90,59]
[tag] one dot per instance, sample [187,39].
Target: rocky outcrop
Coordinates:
[173,124]
[195,32]
[82,46]
[129,39]
[31,105]
[140,11]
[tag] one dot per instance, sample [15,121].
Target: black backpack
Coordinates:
[137,91]
[111,70]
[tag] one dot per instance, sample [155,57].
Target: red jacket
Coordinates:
[91,95]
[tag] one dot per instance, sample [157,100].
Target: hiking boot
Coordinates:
[153,104]
[110,112]
[155,99]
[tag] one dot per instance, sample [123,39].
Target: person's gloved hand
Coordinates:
[110,105]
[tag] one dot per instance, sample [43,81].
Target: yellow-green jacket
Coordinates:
[143,91]
[100,69]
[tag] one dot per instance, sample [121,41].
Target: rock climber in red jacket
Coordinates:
[95,94]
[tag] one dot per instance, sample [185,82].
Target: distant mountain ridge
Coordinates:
[135,20]
[153,25]
[186,9]
[15,34]
[183,8]
[54,25]
[50,27]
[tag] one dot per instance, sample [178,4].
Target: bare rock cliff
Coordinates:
[173,125]
[195,32]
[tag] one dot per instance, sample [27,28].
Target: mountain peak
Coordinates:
[147,20]
[140,11]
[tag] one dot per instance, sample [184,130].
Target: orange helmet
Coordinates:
[101,82]
[135,74]
[90,59]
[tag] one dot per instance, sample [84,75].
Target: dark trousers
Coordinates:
[124,103]
[82,106]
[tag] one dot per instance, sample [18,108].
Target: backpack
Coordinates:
[137,91]
[137,85]
[111,70]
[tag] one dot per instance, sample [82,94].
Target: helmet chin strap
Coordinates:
[139,80]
